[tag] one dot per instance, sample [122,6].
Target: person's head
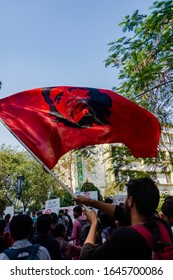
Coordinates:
[66,212]
[61,212]
[107,221]
[77,211]
[60,230]
[21,227]
[54,217]
[7,218]
[33,214]
[167,210]
[142,196]
[43,224]
[39,213]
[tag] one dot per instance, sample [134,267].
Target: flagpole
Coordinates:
[43,165]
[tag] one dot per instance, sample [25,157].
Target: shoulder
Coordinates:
[43,253]
[126,235]
[3,257]
[77,223]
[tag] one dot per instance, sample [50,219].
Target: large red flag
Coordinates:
[52,121]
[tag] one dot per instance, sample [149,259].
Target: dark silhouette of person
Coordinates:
[43,238]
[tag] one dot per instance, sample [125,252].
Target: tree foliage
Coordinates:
[37,182]
[143,59]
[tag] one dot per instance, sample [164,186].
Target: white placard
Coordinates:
[118,199]
[89,194]
[52,205]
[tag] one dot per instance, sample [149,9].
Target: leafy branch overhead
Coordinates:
[144,59]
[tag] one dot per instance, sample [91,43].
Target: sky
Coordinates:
[59,43]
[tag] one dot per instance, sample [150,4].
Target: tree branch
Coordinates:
[157,86]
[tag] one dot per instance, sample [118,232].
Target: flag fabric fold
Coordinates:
[52,121]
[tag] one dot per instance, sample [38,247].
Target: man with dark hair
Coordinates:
[62,218]
[43,238]
[21,228]
[77,225]
[69,222]
[167,210]
[126,243]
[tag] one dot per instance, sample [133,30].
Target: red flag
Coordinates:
[53,121]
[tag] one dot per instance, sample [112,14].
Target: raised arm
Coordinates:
[108,208]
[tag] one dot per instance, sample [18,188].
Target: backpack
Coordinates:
[31,250]
[161,249]
[85,227]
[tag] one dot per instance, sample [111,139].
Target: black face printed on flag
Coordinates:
[78,107]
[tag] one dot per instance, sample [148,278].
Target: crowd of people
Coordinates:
[106,234]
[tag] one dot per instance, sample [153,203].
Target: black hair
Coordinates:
[43,224]
[7,217]
[78,209]
[20,226]
[59,230]
[107,221]
[145,195]
[54,217]
[167,208]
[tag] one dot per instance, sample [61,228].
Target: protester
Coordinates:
[167,210]
[69,222]
[126,243]
[108,227]
[62,218]
[39,213]
[77,225]
[107,200]
[34,216]
[7,234]
[21,228]
[69,251]
[43,238]
[4,236]
[54,218]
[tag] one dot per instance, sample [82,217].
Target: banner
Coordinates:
[20,182]
[52,205]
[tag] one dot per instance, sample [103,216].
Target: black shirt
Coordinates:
[124,244]
[51,245]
